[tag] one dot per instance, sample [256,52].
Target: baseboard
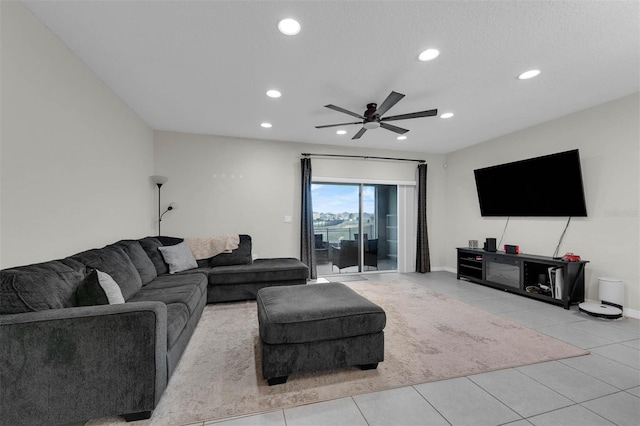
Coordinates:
[631,313]
[444,268]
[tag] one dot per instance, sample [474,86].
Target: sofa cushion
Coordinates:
[48,285]
[115,262]
[150,246]
[141,261]
[98,288]
[168,289]
[261,270]
[177,318]
[183,278]
[178,257]
[239,256]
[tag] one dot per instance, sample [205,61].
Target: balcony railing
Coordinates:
[334,235]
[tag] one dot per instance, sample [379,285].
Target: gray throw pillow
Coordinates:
[178,257]
[99,289]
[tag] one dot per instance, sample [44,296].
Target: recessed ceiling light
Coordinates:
[401,138]
[428,55]
[289,26]
[529,74]
[273,93]
[447,115]
[266,125]
[341,132]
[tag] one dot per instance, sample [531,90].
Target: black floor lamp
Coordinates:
[161,180]
[170,207]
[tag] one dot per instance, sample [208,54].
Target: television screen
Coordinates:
[543,186]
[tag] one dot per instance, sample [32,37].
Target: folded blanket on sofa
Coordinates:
[205,248]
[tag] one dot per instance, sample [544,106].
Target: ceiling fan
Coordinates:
[372,117]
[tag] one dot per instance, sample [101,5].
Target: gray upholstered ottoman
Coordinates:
[317,327]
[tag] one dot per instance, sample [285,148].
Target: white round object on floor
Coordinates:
[600,310]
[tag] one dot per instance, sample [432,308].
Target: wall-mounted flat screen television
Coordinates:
[550,185]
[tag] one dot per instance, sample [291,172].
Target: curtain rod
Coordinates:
[306,154]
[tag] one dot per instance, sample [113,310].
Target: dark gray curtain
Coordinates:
[307,239]
[423,262]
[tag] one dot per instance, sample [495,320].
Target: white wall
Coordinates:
[608,137]
[227,185]
[75,158]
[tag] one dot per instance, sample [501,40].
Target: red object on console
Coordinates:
[511,249]
[570,257]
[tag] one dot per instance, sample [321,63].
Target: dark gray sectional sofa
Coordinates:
[65,359]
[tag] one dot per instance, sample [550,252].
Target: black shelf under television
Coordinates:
[523,273]
[470,265]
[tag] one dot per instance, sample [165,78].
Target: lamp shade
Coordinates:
[159,180]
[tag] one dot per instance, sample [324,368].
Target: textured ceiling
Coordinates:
[204,66]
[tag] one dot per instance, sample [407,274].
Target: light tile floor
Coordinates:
[602,388]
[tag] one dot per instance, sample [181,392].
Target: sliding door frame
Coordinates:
[406,217]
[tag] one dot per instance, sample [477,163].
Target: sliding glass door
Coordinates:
[355,227]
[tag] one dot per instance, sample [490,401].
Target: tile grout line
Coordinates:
[599,415]
[597,378]
[432,406]
[359,410]
[498,399]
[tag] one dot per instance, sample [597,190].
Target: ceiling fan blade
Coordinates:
[391,100]
[337,108]
[429,113]
[393,128]
[360,133]
[334,125]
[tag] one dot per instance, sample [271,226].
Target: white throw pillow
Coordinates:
[178,257]
[111,289]
[99,288]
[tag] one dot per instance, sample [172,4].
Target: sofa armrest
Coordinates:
[73,364]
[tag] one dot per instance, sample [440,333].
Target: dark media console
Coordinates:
[543,278]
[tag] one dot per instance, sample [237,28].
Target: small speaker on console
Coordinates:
[511,249]
[490,244]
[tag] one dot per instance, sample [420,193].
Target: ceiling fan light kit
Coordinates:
[373,116]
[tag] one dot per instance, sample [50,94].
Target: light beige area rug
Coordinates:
[428,337]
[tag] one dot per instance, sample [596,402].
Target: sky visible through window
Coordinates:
[333,198]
